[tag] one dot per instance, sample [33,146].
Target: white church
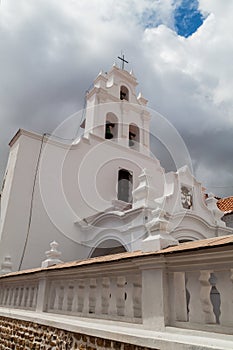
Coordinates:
[102,193]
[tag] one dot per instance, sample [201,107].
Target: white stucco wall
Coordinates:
[72,183]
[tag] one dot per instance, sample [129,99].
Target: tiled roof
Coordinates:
[225,204]
[181,248]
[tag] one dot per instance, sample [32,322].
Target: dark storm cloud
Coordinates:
[52,50]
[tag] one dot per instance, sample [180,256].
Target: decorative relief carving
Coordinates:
[186,197]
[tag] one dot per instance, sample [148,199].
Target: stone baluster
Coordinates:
[98,304]
[18,297]
[86,297]
[75,298]
[137,296]
[195,306]
[56,298]
[28,299]
[1,295]
[21,296]
[65,297]
[112,297]
[31,296]
[6,296]
[92,295]
[81,292]
[25,296]
[51,296]
[61,294]
[11,293]
[224,285]
[105,295]
[120,295]
[35,297]
[207,306]
[180,302]
[128,296]
[69,297]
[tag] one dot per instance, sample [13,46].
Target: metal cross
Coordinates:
[123,61]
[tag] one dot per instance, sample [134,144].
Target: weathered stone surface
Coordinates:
[22,335]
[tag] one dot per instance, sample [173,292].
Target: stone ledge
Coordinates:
[172,338]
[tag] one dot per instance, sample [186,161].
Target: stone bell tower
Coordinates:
[115,112]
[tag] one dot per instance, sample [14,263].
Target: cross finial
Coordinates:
[123,61]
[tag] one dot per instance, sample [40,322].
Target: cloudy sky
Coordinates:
[180,50]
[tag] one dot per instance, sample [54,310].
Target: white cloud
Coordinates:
[52,50]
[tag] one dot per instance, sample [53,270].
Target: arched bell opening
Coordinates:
[108,247]
[125,186]
[134,136]
[111,126]
[124,93]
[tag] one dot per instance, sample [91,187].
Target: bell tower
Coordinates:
[115,113]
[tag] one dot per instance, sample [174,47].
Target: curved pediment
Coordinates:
[193,227]
[111,219]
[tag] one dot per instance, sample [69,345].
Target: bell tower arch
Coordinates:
[114,111]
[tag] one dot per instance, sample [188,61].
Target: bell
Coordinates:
[108,134]
[131,143]
[131,136]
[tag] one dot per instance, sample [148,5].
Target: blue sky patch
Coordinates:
[187,18]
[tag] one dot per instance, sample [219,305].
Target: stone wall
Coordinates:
[23,335]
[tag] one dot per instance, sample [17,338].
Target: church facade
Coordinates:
[102,193]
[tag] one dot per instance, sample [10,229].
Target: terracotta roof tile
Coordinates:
[225,204]
[183,247]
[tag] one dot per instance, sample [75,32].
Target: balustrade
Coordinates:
[155,295]
[202,297]
[105,297]
[19,296]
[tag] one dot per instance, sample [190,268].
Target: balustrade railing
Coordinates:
[202,297]
[113,297]
[22,295]
[153,290]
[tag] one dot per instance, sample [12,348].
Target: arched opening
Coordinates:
[124,93]
[125,186]
[111,126]
[108,247]
[134,136]
[185,240]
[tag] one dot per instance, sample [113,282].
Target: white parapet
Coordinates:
[159,297]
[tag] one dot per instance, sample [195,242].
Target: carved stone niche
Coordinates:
[186,197]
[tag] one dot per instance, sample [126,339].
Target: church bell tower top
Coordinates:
[114,111]
[113,82]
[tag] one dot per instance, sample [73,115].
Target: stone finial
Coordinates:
[142,100]
[6,266]
[132,73]
[100,81]
[145,194]
[53,256]
[158,233]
